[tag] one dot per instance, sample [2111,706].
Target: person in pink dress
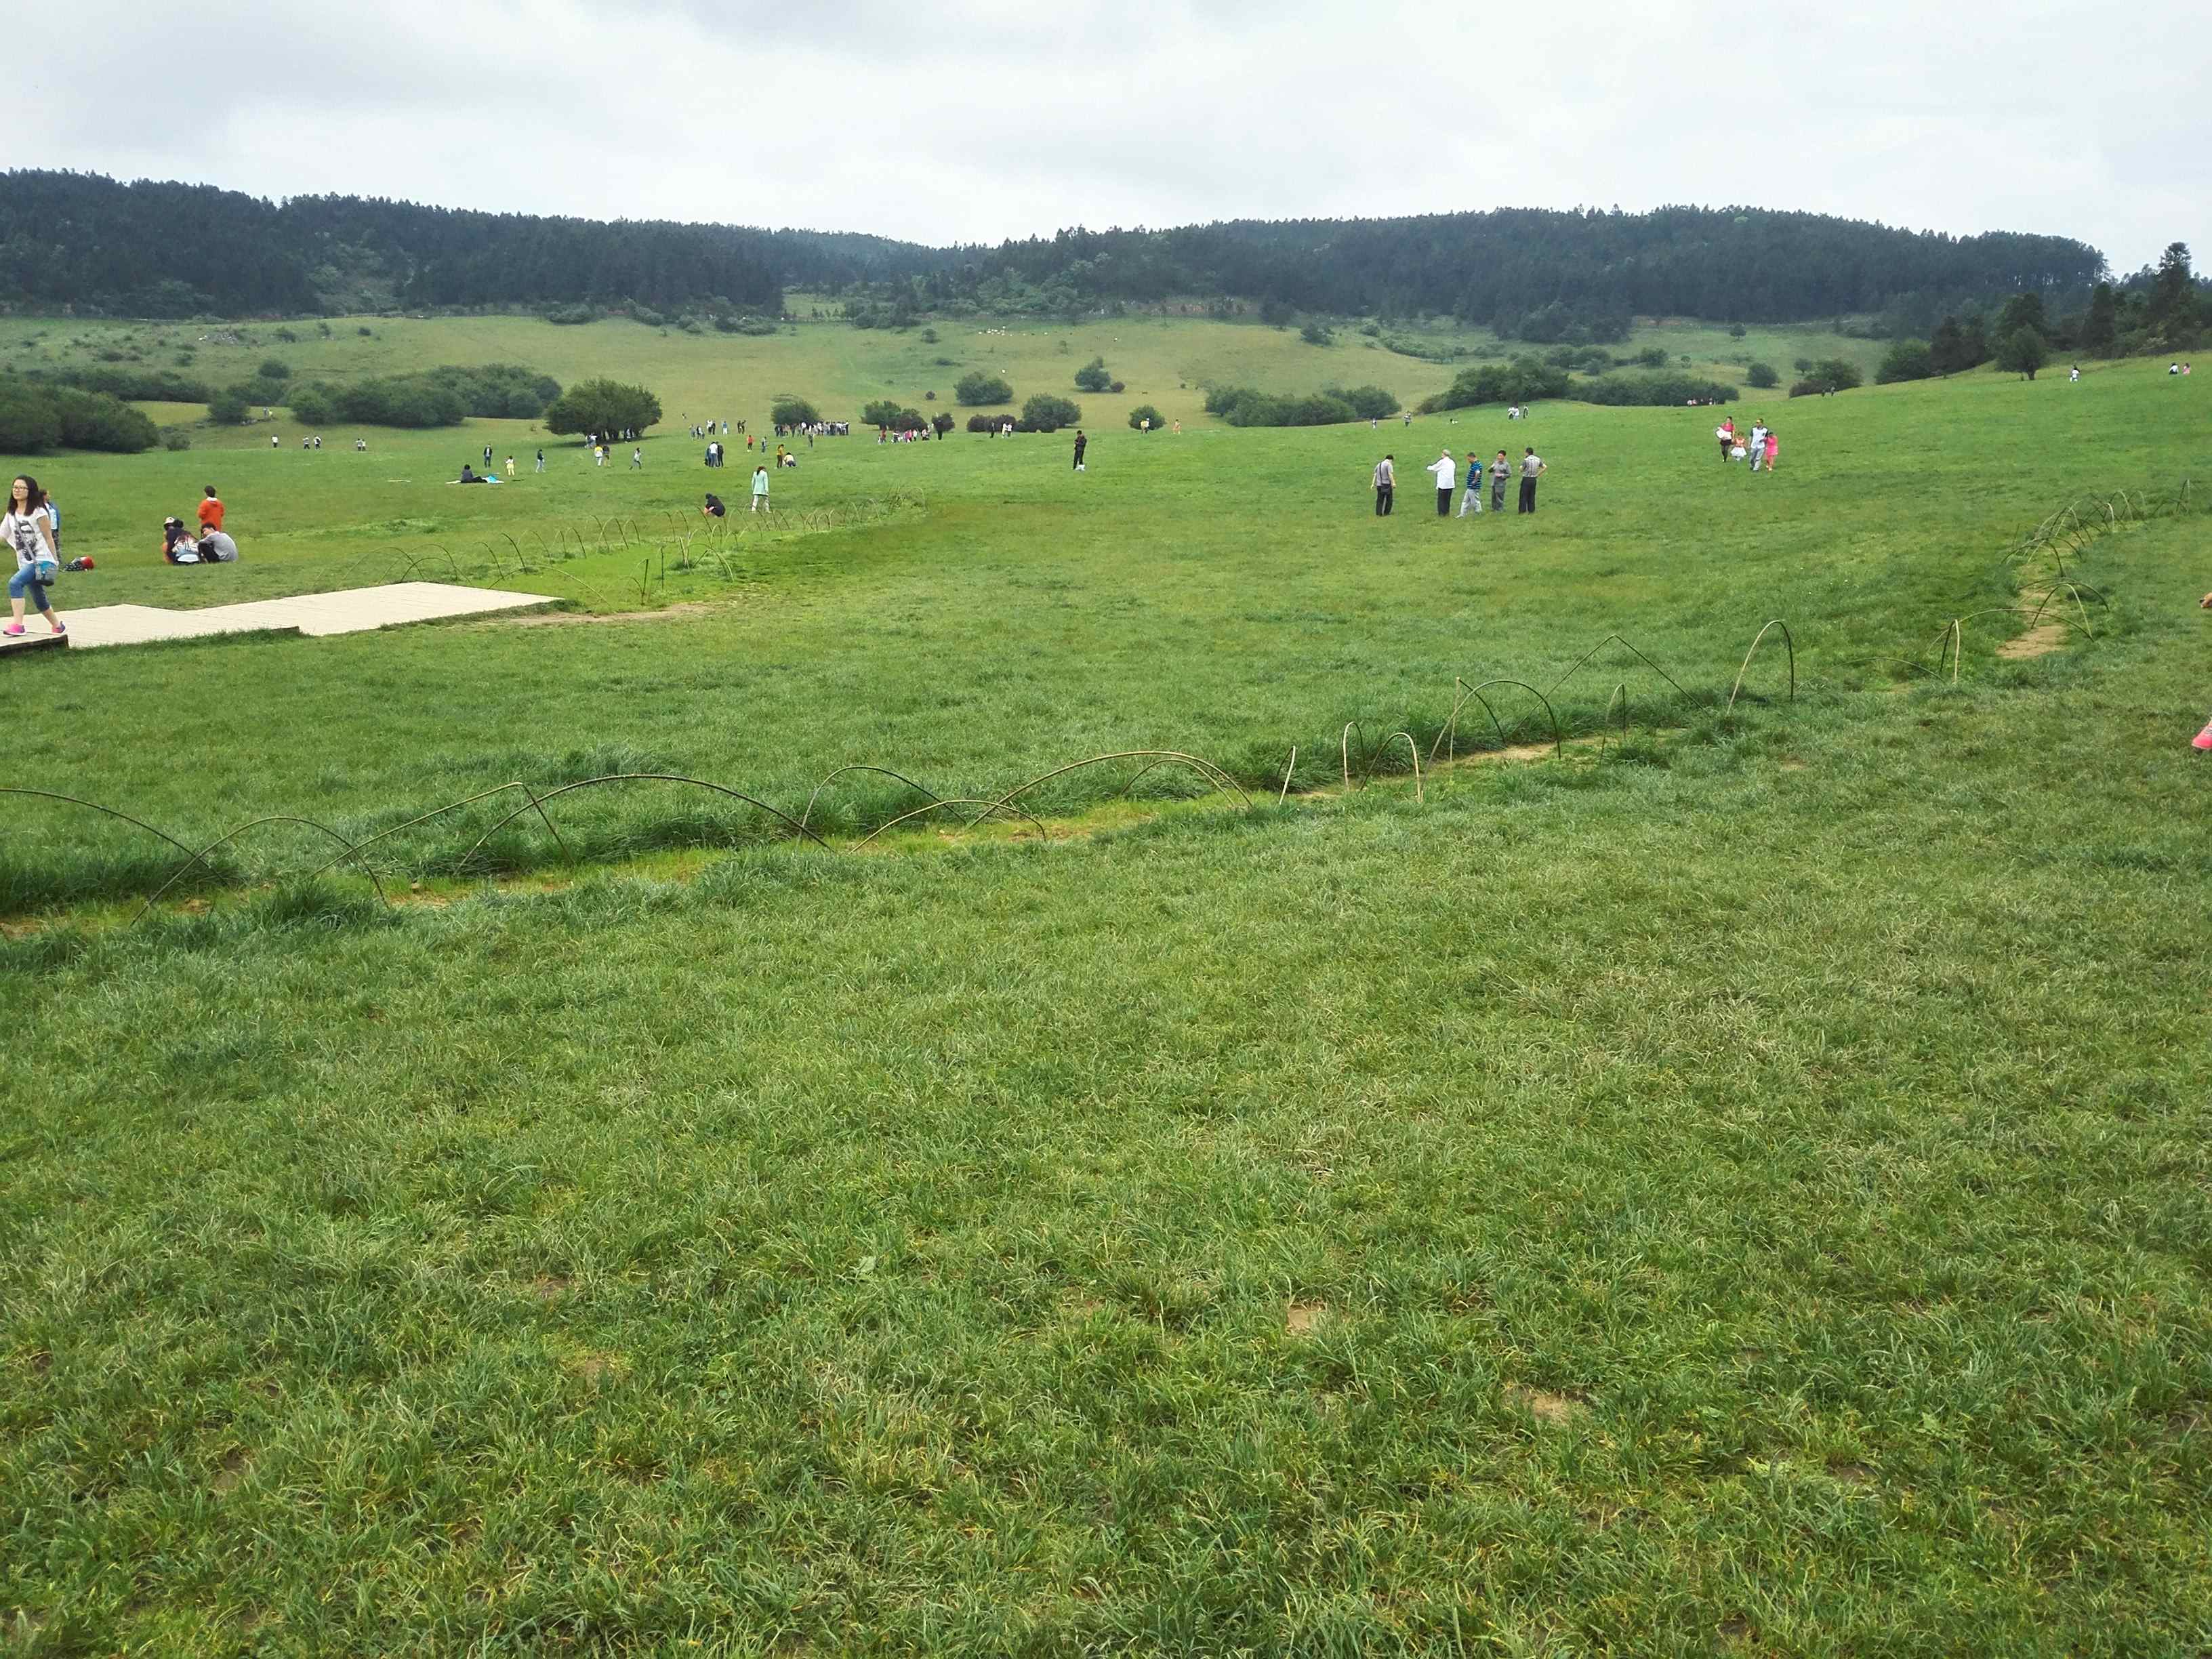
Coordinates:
[2203,740]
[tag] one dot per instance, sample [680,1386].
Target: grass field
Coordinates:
[1741,1190]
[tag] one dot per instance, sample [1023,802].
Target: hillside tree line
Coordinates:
[95,244]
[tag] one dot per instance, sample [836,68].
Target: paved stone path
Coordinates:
[350,611]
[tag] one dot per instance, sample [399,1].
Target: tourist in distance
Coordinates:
[1446,469]
[1773,448]
[1500,470]
[1532,468]
[1726,433]
[28,528]
[1081,444]
[541,460]
[1386,486]
[217,548]
[636,459]
[1757,443]
[760,490]
[211,510]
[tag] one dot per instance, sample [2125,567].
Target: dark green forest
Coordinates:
[172,250]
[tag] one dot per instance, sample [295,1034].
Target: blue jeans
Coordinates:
[20,586]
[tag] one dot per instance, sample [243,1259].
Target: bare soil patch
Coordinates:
[2040,641]
[230,1473]
[1555,1409]
[1303,1318]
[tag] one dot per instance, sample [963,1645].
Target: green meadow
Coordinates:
[1705,1164]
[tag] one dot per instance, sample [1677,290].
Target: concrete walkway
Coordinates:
[353,611]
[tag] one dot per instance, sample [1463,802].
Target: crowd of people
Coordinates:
[1445,470]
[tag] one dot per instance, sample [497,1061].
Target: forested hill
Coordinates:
[167,249]
[1497,266]
[163,249]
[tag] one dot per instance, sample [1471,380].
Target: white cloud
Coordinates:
[972,120]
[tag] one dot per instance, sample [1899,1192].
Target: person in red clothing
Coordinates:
[211,510]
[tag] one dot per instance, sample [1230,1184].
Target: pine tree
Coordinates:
[2100,330]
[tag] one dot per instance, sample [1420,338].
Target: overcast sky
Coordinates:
[967,120]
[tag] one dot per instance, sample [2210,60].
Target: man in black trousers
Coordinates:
[1532,468]
[1386,486]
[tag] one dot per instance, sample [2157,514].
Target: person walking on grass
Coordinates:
[1532,468]
[1470,499]
[636,459]
[1386,486]
[1500,470]
[541,460]
[1773,448]
[1445,470]
[760,489]
[28,528]
[1082,443]
[2202,740]
[1726,433]
[1757,443]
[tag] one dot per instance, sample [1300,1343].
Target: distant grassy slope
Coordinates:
[1164,361]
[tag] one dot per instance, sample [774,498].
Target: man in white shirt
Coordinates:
[1386,486]
[1446,469]
[1758,444]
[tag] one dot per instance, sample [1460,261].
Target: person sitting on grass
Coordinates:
[177,547]
[216,547]
[714,509]
[468,475]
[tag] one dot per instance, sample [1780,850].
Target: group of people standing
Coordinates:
[1445,470]
[1762,445]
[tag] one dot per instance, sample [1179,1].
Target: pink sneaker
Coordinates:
[12,629]
[2202,740]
